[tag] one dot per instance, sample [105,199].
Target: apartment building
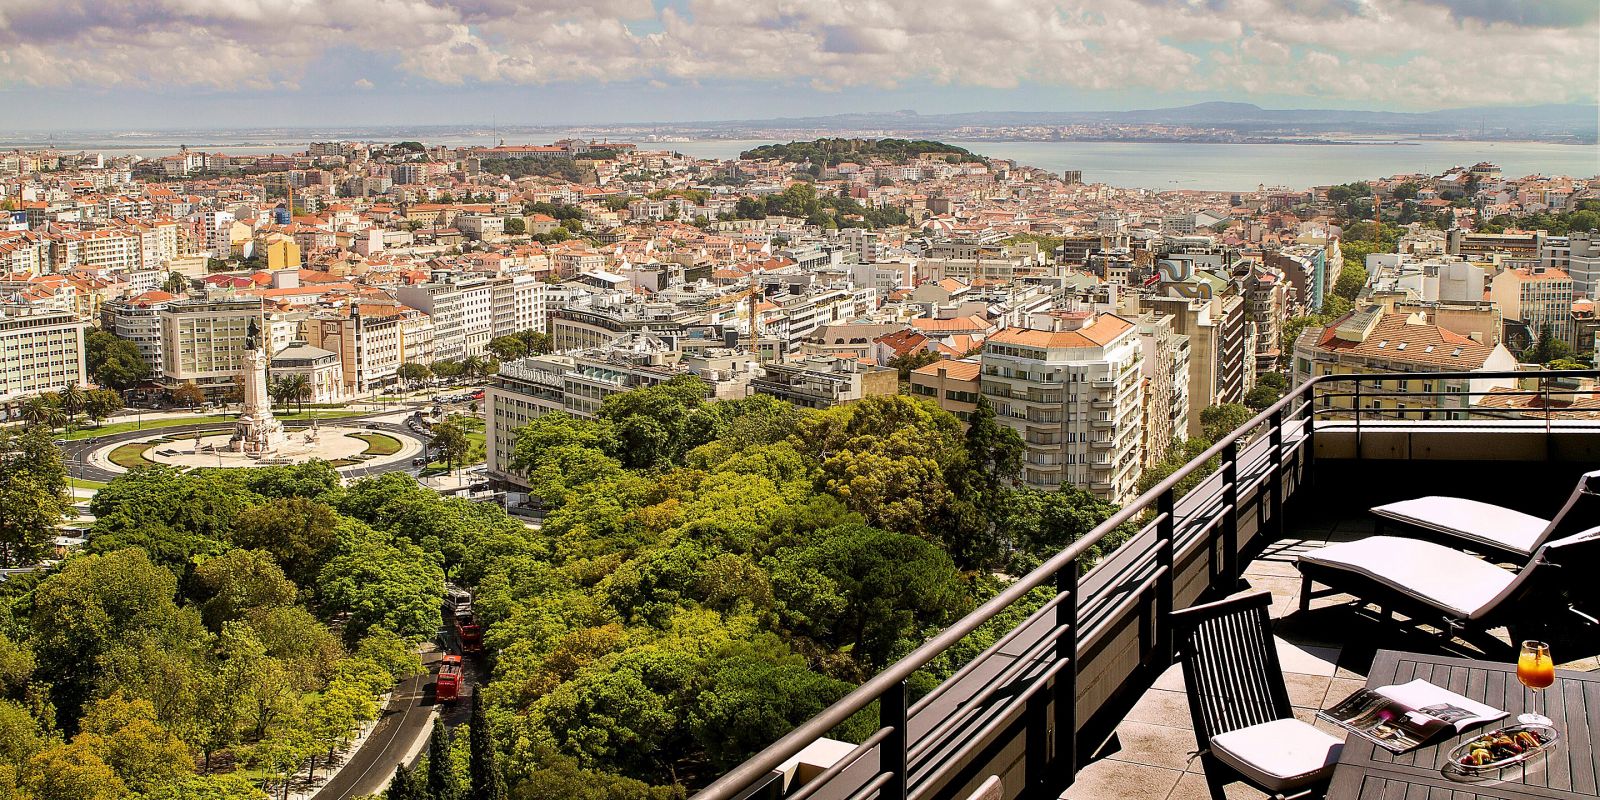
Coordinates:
[202,341]
[368,340]
[137,319]
[41,350]
[1165,367]
[462,314]
[1579,256]
[953,385]
[1539,297]
[321,369]
[1072,387]
[1221,347]
[824,382]
[1371,340]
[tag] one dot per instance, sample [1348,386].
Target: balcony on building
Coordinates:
[1083,700]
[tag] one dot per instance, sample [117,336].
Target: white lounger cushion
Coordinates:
[1437,575]
[1470,519]
[1280,755]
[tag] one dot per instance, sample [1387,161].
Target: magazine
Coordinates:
[1398,718]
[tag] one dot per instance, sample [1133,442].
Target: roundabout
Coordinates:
[356,446]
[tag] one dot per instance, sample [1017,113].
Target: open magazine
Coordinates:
[1399,718]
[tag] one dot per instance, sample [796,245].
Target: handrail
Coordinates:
[1283,412]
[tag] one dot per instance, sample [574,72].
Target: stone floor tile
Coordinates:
[1306,691]
[1307,659]
[1162,707]
[1155,745]
[1192,786]
[1107,779]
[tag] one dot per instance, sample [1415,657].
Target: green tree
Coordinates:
[1260,396]
[1218,421]
[113,362]
[868,592]
[991,460]
[72,772]
[516,226]
[485,770]
[44,410]
[239,582]
[71,398]
[413,373]
[911,361]
[33,494]
[450,439]
[509,347]
[383,583]
[404,786]
[101,403]
[1547,347]
[442,782]
[299,533]
[125,735]
[95,602]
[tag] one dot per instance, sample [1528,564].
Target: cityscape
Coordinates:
[1143,442]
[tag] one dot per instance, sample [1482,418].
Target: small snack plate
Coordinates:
[1549,738]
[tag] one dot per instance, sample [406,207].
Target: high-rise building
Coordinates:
[1539,297]
[1577,254]
[203,341]
[1071,386]
[41,350]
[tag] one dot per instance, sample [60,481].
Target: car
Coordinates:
[419,462]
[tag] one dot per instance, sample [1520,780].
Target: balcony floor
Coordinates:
[1325,653]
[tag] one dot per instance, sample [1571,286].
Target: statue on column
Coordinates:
[256,432]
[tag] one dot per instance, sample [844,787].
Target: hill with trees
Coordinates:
[831,152]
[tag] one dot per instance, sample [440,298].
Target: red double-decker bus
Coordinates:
[468,631]
[447,687]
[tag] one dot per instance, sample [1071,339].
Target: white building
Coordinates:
[1072,388]
[40,351]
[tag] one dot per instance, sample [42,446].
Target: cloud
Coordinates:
[1387,51]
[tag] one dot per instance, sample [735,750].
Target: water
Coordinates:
[1152,165]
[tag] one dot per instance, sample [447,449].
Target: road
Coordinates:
[407,717]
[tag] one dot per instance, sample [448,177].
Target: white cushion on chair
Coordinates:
[1279,755]
[1470,519]
[1444,578]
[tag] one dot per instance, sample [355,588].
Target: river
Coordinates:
[1151,165]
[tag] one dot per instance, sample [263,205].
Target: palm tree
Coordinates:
[72,399]
[279,389]
[41,411]
[298,388]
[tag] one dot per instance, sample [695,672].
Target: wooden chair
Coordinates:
[1243,723]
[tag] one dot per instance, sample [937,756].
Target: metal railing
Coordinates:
[1091,612]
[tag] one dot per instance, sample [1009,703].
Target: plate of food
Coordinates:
[1502,748]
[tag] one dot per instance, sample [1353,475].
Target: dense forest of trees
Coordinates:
[710,574]
[224,633]
[830,152]
[827,211]
[707,575]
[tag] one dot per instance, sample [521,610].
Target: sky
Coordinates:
[164,64]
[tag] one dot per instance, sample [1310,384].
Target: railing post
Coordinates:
[1164,536]
[1275,441]
[892,707]
[1066,689]
[1356,404]
[1230,522]
[1309,451]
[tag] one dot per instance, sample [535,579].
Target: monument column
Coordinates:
[256,432]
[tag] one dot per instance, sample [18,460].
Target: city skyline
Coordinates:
[75,65]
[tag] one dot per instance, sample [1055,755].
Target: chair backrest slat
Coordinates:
[1230,665]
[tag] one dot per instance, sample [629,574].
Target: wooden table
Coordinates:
[1369,772]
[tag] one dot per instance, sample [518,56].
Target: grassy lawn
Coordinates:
[81,483]
[131,455]
[200,419]
[477,449]
[378,444]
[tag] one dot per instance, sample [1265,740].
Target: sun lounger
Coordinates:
[1430,582]
[1490,529]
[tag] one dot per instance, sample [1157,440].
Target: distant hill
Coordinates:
[1543,120]
[831,152]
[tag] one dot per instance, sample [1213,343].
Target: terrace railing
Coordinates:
[1033,704]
